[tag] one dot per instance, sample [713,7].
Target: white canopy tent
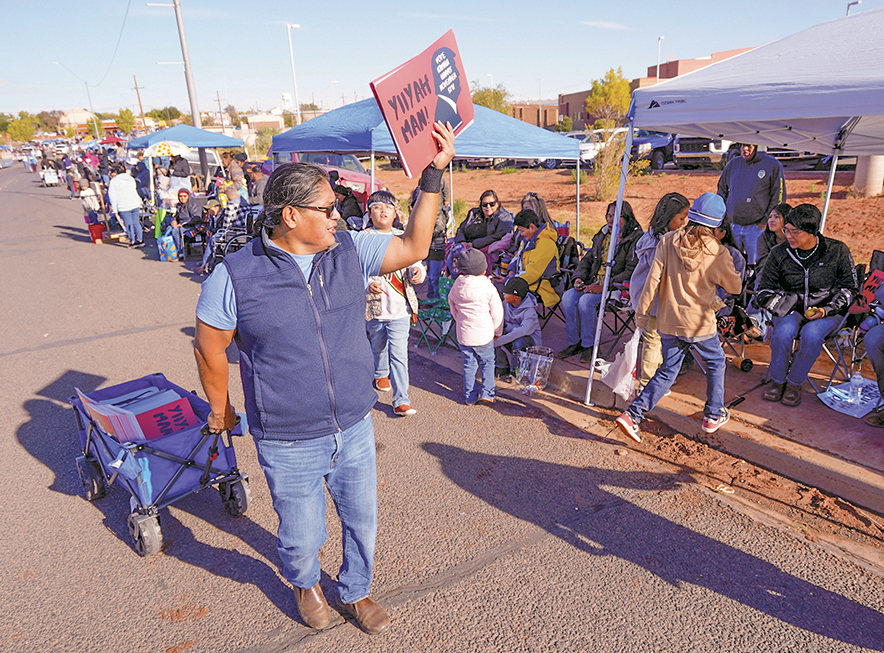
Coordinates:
[820,90]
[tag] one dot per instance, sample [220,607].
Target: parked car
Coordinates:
[653,146]
[788,156]
[349,171]
[696,151]
[193,158]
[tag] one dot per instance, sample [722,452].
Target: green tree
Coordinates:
[126,121]
[609,97]
[565,124]
[91,125]
[230,110]
[496,98]
[264,139]
[5,119]
[167,114]
[22,130]
[309,106]
[49,120]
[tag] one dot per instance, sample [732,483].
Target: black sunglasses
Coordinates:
[486,205]
[328,210]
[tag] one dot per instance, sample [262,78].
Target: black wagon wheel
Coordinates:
[235,496]
[91,478]
[146,533]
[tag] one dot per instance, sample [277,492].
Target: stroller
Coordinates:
[49,176]
[160,470]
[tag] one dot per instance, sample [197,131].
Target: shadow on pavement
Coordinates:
[74,233]
[546,494]
[50,436]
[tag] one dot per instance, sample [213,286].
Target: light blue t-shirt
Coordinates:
[217,303]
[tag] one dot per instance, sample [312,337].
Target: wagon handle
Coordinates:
[213,450]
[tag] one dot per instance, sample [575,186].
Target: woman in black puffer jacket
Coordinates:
[815,278]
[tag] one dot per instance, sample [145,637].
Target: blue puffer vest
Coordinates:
[305,362]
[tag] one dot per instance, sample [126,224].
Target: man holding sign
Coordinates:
[294,298]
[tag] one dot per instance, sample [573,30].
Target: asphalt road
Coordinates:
[501,529]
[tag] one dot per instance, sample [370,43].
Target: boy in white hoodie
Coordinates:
[478,317]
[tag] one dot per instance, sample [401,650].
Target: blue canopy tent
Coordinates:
[359,128]
[189,136]
[186,134]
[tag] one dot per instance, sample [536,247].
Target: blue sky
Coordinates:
[239,49]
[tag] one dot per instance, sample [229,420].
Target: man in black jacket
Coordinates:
[752,185]
[815,278]
[581,302]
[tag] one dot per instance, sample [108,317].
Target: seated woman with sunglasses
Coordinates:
[807,283]
[486,224]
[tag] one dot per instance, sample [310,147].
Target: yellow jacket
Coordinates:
[538,260]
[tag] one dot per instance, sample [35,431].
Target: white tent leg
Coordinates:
[371,190]
[577,237]
[615,234]
[829,191]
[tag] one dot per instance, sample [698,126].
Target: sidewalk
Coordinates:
[810,443]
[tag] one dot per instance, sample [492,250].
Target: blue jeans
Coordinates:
[132,225]
[581,315]
[178,239]
[874,340]
[747,240]
[295,472]
[479,358]
[389,345]
[813,333]
[434,271]
[674,350]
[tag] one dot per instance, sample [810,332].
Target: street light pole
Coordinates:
[657,74]
[188,78]
[89,97]
[288,30]
[850,4]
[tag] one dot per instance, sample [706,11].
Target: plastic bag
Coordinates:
[532,371]
[620,374]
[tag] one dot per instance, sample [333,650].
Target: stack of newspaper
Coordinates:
[141,415]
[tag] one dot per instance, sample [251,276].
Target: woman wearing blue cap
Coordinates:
[688,265]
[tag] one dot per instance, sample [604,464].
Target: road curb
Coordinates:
[855,483]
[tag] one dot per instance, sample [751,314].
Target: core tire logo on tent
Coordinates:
[654,104]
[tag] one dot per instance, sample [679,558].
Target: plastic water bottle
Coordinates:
[855,388]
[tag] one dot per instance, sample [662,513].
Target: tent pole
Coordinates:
[450,193]
[829,191]
[615,234]
[578,199]
[371,190]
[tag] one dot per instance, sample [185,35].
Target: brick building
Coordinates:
[574,104]
[545,115]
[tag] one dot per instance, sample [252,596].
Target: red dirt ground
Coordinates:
[857,222]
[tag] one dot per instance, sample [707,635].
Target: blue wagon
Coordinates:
[157,472]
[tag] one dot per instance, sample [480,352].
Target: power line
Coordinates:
[119,38]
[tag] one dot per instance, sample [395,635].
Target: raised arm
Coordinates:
[414,244]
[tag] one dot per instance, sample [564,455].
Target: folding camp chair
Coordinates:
[570,252]
[621,323]
[436,320]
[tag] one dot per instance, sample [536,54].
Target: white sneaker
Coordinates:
[712,425]
[628,426]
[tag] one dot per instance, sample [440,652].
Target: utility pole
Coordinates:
[657,74]
[188,78]
[288,30]
[220,113]
[140,108]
